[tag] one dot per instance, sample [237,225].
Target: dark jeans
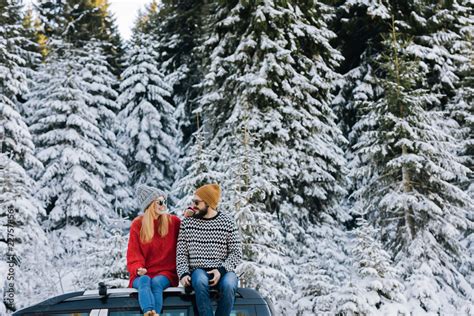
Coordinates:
[227,287]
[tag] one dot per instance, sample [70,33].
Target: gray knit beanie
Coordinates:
[146,195]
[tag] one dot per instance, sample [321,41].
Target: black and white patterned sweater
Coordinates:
[208,244]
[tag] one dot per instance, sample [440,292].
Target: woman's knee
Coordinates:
[160,282]
[144,281]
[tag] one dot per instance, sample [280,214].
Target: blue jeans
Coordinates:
[150,292]
[227,287]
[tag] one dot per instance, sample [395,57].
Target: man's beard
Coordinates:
[201,212]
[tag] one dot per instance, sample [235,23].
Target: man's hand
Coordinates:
[141,271]
[189,212]
[186,280]
[216,278]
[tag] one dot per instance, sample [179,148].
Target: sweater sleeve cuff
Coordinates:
[183,275]
[134,267]
[222,271]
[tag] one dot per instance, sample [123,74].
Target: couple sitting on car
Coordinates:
[203,250]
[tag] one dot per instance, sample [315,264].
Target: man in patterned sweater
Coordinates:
[209,249]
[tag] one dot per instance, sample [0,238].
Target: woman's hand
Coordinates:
[141,271]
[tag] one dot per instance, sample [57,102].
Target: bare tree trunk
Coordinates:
[409,215]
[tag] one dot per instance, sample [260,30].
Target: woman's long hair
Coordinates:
[148,230]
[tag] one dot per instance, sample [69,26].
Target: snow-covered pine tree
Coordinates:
[445,45]
[31,52]
[441,33]
[267,265]
[274,59]
[461,109]
[358,30]
[148,131]
[30,45]
[375,287]
[19,31]
[99,83]
[69,143]
[442,41]
[467,266]
[178,26]
[77,259]
[80,21]
[405,165]
[143,18]
[358,26]
[195,170]
[104,256]
[21,232]
[50,23]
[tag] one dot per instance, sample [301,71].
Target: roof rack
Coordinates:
[128,291]
[105,292]
[59,298]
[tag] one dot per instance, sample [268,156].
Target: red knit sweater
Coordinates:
[158,256]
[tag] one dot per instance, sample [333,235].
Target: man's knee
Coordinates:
[199,279]
[229,283]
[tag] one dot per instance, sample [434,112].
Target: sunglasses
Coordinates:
[196,202]
[161,202]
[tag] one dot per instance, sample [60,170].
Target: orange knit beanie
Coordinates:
[210,193]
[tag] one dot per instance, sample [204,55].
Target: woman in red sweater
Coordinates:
[151,254]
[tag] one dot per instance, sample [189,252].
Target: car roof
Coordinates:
[124,297]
